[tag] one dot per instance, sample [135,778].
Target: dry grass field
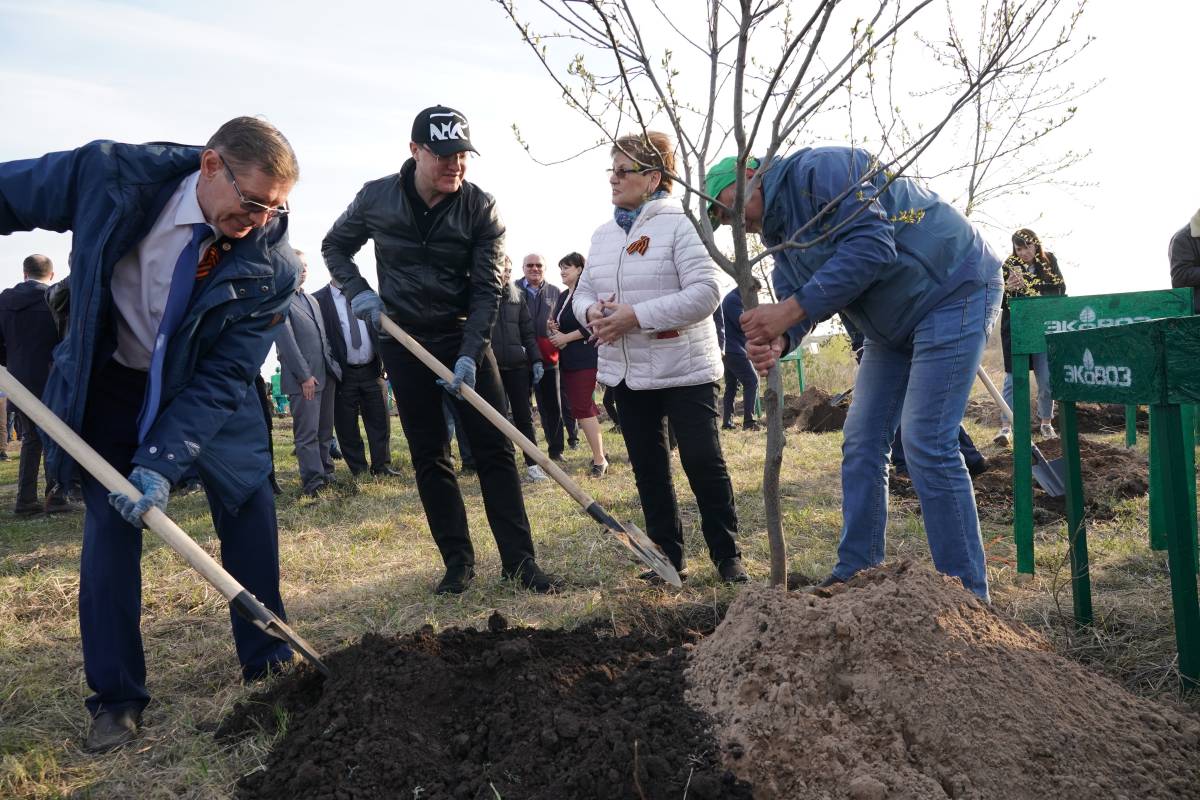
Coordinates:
[361,560]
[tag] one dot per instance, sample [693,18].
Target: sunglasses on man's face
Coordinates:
[253,206]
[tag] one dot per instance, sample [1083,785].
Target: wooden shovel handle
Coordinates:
[491,414]
[175,537]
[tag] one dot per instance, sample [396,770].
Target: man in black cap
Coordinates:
[439,244]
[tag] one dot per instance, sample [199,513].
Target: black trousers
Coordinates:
[610,406]
[516,390]
[32,458]
[738,369]
[550,409]
[692,412]
[361,392]
[419,400]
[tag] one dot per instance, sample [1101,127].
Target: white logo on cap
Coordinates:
[446,130]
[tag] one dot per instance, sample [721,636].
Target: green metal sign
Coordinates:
[1033,318]
[1141,363]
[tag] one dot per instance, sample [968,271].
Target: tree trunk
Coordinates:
[773,405]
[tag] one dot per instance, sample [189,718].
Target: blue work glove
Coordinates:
[367,306]
[464,372]
[155,490]
[538,371]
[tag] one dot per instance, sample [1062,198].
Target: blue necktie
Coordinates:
[183,279]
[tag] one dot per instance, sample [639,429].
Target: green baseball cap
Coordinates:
[722,176]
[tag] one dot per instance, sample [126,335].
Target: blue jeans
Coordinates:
[1041,370]
[926,386]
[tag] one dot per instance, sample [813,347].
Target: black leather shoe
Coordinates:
[728,426]
[532,578]
[385,471]
[830,580]
[653,578]
[732,571]
[27,508]
[979,467]
[276,489]
[112,730]
[456,580]
[752,425]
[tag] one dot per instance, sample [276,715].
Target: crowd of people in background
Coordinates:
[182,278]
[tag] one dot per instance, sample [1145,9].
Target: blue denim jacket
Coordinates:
[895,257]
[109,195]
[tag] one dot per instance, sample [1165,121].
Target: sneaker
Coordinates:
[598,470]
[1004,437]
[456,580]
[732,571]
[1047,430]
[536,474]
[532,578]
[573,443]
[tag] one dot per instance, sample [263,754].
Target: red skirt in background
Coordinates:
[579,386]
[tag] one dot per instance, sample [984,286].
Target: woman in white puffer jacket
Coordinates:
[649,294]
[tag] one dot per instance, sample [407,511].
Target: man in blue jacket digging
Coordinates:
[918,279]
[180,272]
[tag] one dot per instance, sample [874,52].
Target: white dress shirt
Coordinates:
[354,355]
[142,278]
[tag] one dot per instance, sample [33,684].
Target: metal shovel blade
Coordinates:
[636,540]
[263,618]
[1050,475]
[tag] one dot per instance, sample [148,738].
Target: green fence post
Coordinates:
[1158,522]
[1022,466]
[1180,544]
[1130,425]
[1187,415]
[1081,579]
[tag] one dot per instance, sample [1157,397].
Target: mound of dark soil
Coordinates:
[520,713]
[901,685]
[1091,417]
[813,412]
[1110,474]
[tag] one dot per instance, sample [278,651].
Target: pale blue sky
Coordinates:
[343,81]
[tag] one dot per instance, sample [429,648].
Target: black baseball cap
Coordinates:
[443,130]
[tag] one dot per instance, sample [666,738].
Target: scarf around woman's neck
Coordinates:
[625,218]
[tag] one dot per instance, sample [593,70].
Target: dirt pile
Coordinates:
[517,713]
[901,685]
[1110,474]
[813,412]
[1090,417]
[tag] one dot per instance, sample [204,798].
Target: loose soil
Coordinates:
[813,412]
[502,713]
[1090,417]
[902,685]
[1110,474]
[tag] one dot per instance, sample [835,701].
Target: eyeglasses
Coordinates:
[534,264]
[622,172]
[253,206]
[460,157]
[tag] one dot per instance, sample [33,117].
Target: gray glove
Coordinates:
[367,306]
[155,489]
[538,371]
[464,372]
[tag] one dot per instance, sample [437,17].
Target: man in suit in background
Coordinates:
[27,339]
[310,374]
[542,296]
[361,389]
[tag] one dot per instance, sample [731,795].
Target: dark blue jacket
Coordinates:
[735,337]
[109,195]
[27,334]
[897,257]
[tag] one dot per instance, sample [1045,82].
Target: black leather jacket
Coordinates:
[440,286]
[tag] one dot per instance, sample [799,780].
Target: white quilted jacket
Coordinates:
[673,289]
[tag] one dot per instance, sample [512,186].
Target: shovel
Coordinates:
[629,534]
[1050,475]
[246,604]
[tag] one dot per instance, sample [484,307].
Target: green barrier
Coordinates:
[1156,363]
[797,356]
[1032,320]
